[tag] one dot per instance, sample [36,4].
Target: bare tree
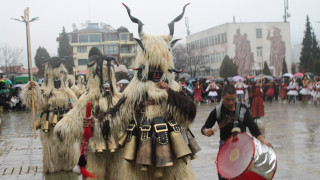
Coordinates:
[180,56]
[10,58]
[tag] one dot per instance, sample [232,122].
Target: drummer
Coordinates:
[224,114]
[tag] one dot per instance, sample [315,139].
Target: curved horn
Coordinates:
[171,69]
[171,24]
[174,42]
[135,20]
[139,68]
[139,42]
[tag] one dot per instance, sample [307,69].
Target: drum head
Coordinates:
[235,157]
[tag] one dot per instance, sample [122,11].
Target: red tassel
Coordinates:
[87,133]
[86,173]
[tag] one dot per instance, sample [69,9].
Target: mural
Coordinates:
[277,50]
[243,56]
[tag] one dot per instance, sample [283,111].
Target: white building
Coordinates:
[116,42]
[248,44]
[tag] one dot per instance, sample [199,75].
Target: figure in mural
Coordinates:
[277,50]
[243,56]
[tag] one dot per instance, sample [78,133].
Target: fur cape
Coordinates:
[104,165]
[46,99]
[154,53]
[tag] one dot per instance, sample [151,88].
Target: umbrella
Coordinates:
[262,76]
[299,74]
[7,82]
[123,81]
[1,72]
[289,75]
[17,85]
[237,78]
[83,72]
[121,68]
[41,81]
[184,75]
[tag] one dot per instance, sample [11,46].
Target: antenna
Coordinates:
[286,7]
[187,25]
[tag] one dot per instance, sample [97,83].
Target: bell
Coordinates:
[99,147]
[158,173]
[112,145]
[37,124]
[193,145]
[122,140]
[144,155]
[179,146]
[163,150]
[130,148]
[45,127]
[163,155]
[54,120]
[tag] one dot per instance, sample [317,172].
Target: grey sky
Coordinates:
[155,14]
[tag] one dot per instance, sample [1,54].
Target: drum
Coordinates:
[245,157]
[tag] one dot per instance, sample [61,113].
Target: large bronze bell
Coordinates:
[37,124]
[45,127]
[129,151]
[130,148]
[144,155]
[179,145]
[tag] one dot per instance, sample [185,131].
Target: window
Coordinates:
[124,37]
[111,49]
[81,49]
[124,49]
[259,51]
[259,33]
[94,38]
[82,62]
[111,37]
[83,38]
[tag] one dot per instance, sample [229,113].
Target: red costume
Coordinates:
[197,93]
[283,90]
[270,91]
[257,107]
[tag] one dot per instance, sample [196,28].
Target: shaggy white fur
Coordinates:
[104,165]
[47,98]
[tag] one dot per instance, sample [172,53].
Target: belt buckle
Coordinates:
[160,130]
[131,127]
[145,128]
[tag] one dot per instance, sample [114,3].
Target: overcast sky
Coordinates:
[155,14]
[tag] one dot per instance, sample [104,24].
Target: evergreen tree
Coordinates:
[40,57]
[306,49]
[284,66]
[266,70]
[315,55]
[66,51]
[228,68]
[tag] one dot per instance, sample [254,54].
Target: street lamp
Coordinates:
[25,19]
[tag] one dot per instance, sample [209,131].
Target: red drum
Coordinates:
[245,157]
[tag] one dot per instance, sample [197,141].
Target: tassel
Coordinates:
[86,173]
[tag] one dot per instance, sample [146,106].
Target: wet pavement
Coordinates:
[293,129]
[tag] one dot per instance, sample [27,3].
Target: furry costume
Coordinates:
[81,84]
[72,85]
[100,162]
[143,101]
[53,97]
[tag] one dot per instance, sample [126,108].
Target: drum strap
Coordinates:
[236,119]
[239,112]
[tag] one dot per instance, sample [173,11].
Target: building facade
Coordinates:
[248,44]
[118,43]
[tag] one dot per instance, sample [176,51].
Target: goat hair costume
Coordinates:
[148,120]
[53,100]
[102,158]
